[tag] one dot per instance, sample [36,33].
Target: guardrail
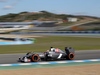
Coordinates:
[60,32]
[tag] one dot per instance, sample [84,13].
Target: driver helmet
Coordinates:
[52,49]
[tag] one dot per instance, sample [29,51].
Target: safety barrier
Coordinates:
[54,62]
[58,32]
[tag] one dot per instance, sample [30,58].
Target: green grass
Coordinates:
[44,43]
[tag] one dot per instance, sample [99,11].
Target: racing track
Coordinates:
[79,55]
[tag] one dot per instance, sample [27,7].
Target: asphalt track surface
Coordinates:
[79,55]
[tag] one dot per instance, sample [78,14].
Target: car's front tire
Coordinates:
[35,58]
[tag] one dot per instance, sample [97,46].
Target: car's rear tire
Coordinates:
[70,53]
[35,58]
[70,56]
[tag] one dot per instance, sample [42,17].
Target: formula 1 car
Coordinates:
[56,54]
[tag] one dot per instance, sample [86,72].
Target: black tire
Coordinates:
[35,58]
[70,56]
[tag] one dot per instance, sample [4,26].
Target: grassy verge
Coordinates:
[44,43]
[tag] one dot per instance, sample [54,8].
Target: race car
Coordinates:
[52,54]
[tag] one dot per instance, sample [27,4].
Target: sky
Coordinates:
[74,7]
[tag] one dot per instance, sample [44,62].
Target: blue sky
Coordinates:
[76,7]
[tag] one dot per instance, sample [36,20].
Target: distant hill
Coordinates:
[42,15]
